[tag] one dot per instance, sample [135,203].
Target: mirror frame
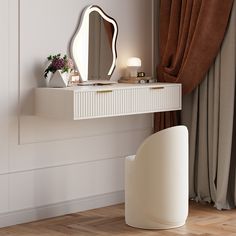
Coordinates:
[80,42]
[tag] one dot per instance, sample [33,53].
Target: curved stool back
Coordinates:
[156,181]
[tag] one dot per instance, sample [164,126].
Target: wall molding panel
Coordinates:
[65,183]
[53,210]
[4,98]
[4,106]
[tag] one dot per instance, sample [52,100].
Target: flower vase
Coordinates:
[59,79]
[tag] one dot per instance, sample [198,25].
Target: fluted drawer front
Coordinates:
[116,102]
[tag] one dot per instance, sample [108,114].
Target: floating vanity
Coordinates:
[93,49]
[77,103]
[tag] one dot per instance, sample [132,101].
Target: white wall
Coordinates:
[50,167]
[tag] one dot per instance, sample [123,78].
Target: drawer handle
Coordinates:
[105,91]
[157,87]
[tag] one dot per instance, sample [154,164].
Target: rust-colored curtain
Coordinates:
[190,35]
[109,30]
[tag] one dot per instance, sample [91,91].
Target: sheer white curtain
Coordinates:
[209,114]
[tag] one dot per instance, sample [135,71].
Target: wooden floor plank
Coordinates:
[203,219]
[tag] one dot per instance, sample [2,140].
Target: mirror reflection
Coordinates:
[100,47]
[93,47]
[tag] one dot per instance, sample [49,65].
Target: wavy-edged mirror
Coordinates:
[93,47]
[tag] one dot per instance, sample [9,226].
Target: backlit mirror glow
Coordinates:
[93,46]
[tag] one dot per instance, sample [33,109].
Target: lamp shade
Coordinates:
[134,62]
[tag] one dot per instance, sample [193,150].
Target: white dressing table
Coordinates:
[98,60]
[87,102]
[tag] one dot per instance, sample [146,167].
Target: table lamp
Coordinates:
[133,64]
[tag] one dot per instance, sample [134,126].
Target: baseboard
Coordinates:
[58,209]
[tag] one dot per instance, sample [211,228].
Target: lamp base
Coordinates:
[133,71]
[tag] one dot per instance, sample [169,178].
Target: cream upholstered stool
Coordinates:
[156,181]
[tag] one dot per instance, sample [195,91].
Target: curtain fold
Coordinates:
[190,35]
[163,120]
[212,127]
[191,32]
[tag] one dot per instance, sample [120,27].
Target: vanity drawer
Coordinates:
[135,100]
[106,101]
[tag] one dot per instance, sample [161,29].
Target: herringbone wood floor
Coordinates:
[202,220]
